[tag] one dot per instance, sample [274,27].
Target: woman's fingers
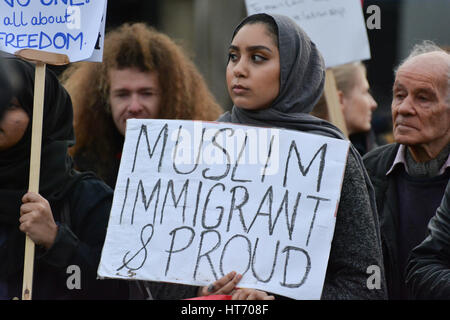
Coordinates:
[224,285]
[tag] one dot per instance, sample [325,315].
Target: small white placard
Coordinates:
[337,27]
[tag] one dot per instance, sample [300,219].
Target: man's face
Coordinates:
[133,94]
[420,110]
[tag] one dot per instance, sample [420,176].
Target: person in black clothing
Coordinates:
[410,175]
[428,270]
[5,88]
[67,220]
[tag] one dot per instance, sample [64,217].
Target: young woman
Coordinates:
[357,105]
[275,75]
[67,220]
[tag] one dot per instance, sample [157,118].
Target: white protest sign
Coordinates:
[69,27]
[97,55]
[195,200]
[336,27]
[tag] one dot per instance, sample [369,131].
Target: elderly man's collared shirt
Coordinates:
[400,158]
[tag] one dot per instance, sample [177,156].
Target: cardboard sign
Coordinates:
[70,27]
[195,200]
[336,27]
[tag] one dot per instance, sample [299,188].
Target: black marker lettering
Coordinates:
[214,142]
[237,162]
[201,255]
[249,251]
[314,215]
[307,268]
[322,150]
[273,263]
[164,131]
[235,207]
[173,233]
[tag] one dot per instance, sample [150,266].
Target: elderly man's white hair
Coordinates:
[425,47]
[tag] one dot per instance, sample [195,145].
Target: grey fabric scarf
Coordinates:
[302,79]
[427,169]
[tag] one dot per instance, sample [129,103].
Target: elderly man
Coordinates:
[410,176]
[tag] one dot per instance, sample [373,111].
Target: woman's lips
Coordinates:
[238,89]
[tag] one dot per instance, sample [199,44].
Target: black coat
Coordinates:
[78,243]
[378,163]
[428,270]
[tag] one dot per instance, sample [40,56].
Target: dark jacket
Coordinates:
[428,270]
[378,163]
[78,243]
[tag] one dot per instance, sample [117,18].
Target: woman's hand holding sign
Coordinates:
[251,294]
[227,286]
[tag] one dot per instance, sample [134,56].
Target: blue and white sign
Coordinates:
[72,27]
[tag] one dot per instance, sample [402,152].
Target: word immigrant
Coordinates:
[192,202]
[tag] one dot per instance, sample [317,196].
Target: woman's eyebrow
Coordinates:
[256,48]
[251,48]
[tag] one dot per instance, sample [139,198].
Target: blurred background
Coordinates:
[204,27]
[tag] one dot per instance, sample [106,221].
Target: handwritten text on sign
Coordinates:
[68,27]
[336,27]
[195,200]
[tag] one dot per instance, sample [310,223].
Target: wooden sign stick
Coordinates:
[40,58]
[335,114]
[35,166]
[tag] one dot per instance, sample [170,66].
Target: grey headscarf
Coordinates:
[302,78]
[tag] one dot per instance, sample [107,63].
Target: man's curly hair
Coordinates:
[184,92]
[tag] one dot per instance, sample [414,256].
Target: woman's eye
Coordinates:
[232,56]
[12,106]
[258,58]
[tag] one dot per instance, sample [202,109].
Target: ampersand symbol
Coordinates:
[144,249]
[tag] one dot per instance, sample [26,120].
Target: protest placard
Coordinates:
[195,200]
[336,27]
[70,27]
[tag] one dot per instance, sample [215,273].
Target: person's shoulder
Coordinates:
[381,151]
[354,170]
[381,156]
[91,190]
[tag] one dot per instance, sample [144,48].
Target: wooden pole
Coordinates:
[35,167]
[40,58]
[333,106]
